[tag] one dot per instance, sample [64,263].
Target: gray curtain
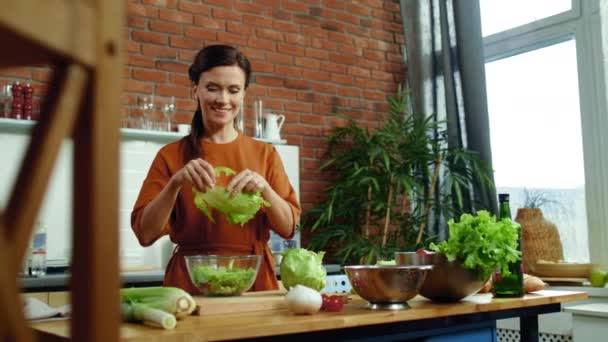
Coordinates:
[446,78]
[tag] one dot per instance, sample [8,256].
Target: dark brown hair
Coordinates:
[207,58]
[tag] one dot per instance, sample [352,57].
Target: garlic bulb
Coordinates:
[303,300]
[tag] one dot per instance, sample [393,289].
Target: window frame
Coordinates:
[587,23]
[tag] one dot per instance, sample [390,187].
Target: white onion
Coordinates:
[303,300]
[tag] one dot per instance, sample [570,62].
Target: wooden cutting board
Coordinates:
[247,302]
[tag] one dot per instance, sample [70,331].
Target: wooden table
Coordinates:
[427,320]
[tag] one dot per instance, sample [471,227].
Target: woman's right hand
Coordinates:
[197,172]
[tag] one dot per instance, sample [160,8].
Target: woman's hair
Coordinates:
[207,58]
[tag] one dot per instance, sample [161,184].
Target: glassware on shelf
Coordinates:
[146,105]
[168,111]
[6,95]
[258,111]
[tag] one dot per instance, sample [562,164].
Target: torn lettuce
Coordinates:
[237,210]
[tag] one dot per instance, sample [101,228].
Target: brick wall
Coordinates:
[311,58]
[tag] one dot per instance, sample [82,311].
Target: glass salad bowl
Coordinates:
[219,275]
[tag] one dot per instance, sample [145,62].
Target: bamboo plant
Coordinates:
[388,185]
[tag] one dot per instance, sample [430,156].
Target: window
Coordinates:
[544,76]
[501,15]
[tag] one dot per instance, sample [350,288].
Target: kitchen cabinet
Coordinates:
[426,321]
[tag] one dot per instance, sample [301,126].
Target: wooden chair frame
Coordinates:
[82,41]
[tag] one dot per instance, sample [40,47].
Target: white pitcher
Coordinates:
[272,126]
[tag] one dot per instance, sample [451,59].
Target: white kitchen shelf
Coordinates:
[24,126]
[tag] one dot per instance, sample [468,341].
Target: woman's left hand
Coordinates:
[247,180]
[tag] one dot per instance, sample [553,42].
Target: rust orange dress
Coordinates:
[190,229]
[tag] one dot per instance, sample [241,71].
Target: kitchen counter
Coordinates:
[469,320]
[59,281]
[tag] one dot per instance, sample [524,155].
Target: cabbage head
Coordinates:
[303,267]
[237,210]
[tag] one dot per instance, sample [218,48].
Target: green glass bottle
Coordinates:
[513,284]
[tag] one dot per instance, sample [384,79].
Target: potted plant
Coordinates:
[389,184]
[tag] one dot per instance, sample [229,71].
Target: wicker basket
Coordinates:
[540,238]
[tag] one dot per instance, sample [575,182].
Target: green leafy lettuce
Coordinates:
[481,243]
[222,281]
[237,210]
[303,267]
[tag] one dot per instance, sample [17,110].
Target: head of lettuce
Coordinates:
[303,267]
[237,210]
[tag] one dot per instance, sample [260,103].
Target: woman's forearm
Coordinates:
[279,213]
[156,214]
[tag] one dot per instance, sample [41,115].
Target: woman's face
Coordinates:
[220,93]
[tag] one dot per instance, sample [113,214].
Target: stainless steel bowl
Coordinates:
[449,281]
[386,287]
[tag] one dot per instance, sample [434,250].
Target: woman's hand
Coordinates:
[197,172]
[247,180]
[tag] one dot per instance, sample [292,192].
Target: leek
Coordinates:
[171,300]
[136,312]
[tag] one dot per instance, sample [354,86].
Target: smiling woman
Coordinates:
[220,75]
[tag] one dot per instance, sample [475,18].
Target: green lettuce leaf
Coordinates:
[237,210]
[481,243]
[303,267]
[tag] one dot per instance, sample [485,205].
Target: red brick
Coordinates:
[314,32]
[140,61]
[269,81]
[297,84]
[389,6]
[165,26]
[221,13]
[305,19]
[249,7]
[193,7]
[316,75]
[161,3]
[378,45]
[294,6]
[41,74]
[239,28]
[373,54]
[333,26]
[358,31]
[150,37]
[382,75]
[282,93]
[155,51]
[308,63]
[257,21]
[269,34]
[285,27]
[179,79]
[179,68]
[231,38]
[333,67]
[211,23]
[299,107]
[316,53]
[186,43]
[306,96]
[290,49]
[199,33]
[382,35]
[288,70]
[136,21]
[360,72]
[383,15]
[343,59]
[324,44]
[279,58]
[253,53]
[262,44]
[132,46]
[374,95]
[187,55]
[279,14]
[142,11]
[360,10]
[176,16]
[340,38]
[138,86]
[149,75]
[324,87]
[262,67]
[337,4]
[172,90]
[348,17]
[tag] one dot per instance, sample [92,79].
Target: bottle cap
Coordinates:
[503,197]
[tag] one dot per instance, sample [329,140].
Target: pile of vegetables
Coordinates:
[237,210]
[481,243]
[155,306]
[222,281]
[303,267]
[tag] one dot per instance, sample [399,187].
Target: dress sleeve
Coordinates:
[280,183]
[157,178]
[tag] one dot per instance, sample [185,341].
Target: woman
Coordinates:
[220,75]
